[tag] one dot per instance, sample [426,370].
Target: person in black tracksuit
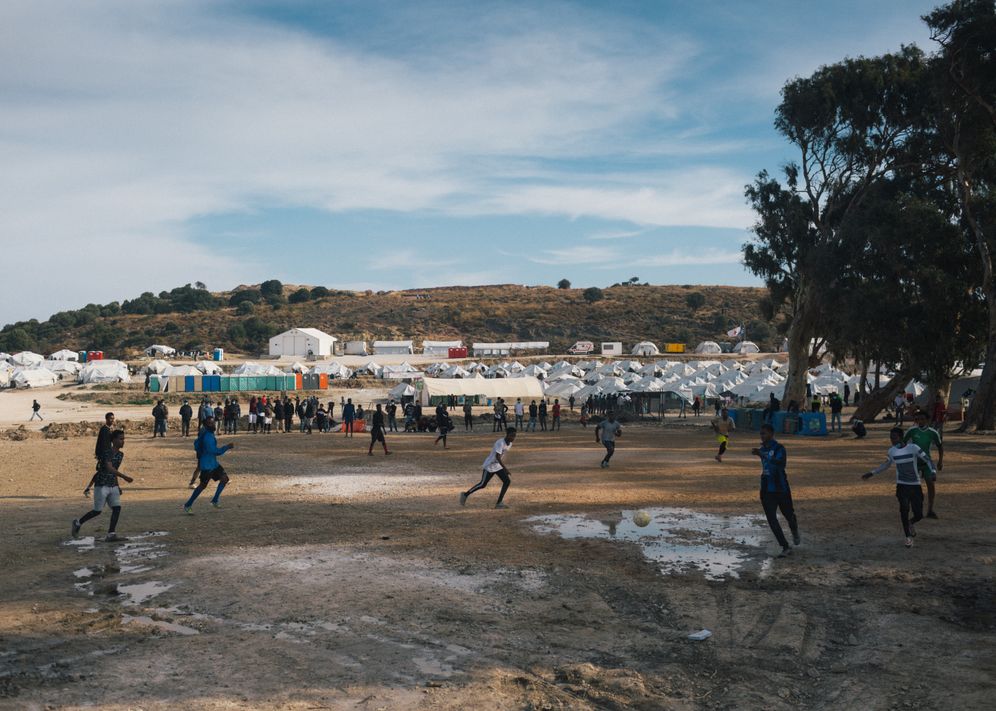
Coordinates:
[775,492]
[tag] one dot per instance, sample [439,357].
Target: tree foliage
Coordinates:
[593,294]
[564,284]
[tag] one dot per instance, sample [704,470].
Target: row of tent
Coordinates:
[45,373]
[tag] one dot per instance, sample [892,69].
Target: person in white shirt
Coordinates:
[906,458]
[494,465]
[519,412]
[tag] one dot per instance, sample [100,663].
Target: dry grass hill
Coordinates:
[241,320]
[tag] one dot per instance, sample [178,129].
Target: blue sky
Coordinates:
[394,145]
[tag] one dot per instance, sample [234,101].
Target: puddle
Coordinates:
[681,540]
[158,624]
[83,573]
[140,592]
[360,483]
[85,543]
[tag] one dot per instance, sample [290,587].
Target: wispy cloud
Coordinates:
[682,258]
[387,257]
[617,234]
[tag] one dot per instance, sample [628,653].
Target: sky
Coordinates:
[390,145]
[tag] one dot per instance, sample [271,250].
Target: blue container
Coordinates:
[81,356]
[188,383]
[813,424]
[778,422]
[212,383]
[219,354]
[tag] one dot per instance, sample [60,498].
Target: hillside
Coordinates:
[241,320]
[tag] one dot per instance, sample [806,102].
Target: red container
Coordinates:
[457,353]
[94,355]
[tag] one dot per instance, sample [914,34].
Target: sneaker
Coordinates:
[796,538]
[603,465]
[463,499]
[370,454]
[501,506]
[188,510]
[76,528]
[718,458]
[909,542]
[111,537]
[931,514]
[216,504]
[786,551]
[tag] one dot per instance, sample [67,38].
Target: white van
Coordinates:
[582,348]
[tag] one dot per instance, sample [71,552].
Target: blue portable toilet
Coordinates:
[188,383]
[219,354]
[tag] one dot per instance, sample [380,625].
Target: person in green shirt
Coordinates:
[925,437]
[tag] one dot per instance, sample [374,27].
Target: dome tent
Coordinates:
[708,347]
[746,347]
[645,349]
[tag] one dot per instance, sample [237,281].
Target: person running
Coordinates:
[377,431]
[348,415]
[926,437]
[555,423]
[468,416]
[723,426]
[906,457]
[186,415]
[442,424]
[104,484]
[775,491]
[208,451]
[606,432]
[494,465]
[35,411]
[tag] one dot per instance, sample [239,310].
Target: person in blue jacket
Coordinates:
[775,491]
[208,451]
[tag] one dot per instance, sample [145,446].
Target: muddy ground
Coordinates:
[330,579]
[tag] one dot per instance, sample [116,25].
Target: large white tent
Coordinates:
[173,371]
[33,378]
[27,359]
[65,354]
[746,347]
[69,367]
[250,368]
[158,350]
[208,367]
[104,371]
[157,367]
[302,342]
[508,388]
[645,349]
[708,347]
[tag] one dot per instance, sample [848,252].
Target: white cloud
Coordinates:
[404,258]
[683,258]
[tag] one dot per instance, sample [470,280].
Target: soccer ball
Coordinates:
[641,519]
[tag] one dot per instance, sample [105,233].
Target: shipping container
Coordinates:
[674,347]
[457,352]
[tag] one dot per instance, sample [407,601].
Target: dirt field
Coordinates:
[330,579]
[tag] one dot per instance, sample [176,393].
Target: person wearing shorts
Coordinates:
[208,451]
[253,413]
[494,466]
[377,431]
[723,426]
[926,437]
[606,433]
[104,484]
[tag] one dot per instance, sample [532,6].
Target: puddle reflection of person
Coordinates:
[612,521]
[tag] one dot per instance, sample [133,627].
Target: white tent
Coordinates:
[440,348]
[5,374]
[65,354]
[250,368]
[157,367]
[69,367]
[172,371]
[332,369]
[508,388]
[208,367]
[4,357]
[302,342]
[393,348]
[298,367]
[708,347]
[27,358]
[104,371]
[746,347]
[33,378]
[157,350]
[645,349]
[401,390]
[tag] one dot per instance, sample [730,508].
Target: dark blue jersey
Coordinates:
[773,477]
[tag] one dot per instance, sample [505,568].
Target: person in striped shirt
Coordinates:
[905,456]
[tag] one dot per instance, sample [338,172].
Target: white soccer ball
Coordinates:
[641,518]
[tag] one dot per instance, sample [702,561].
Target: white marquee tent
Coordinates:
[708,347]
[104,371]
[27,359]
[508,388]
[302,342]
[33,378]
[158,350]
[65,354]
[645,349]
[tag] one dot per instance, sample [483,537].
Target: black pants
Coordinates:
[468,422]
[910,496]
[185,427]
[772,501]
[486,477]
[610,449]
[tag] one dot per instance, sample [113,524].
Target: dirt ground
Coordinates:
[335,580]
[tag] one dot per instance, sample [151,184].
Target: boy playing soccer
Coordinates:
[925,437]
[723,426]
[105,486]
[775,491]
[494,465]
[906,457]
[206,446]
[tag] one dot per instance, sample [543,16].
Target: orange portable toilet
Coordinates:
[298,381]
[323,381]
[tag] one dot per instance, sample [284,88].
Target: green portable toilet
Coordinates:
[154,384]
[290,382]
[226,383]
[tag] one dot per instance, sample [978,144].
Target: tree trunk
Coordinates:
[875,401]
[800,334]
[981,413]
